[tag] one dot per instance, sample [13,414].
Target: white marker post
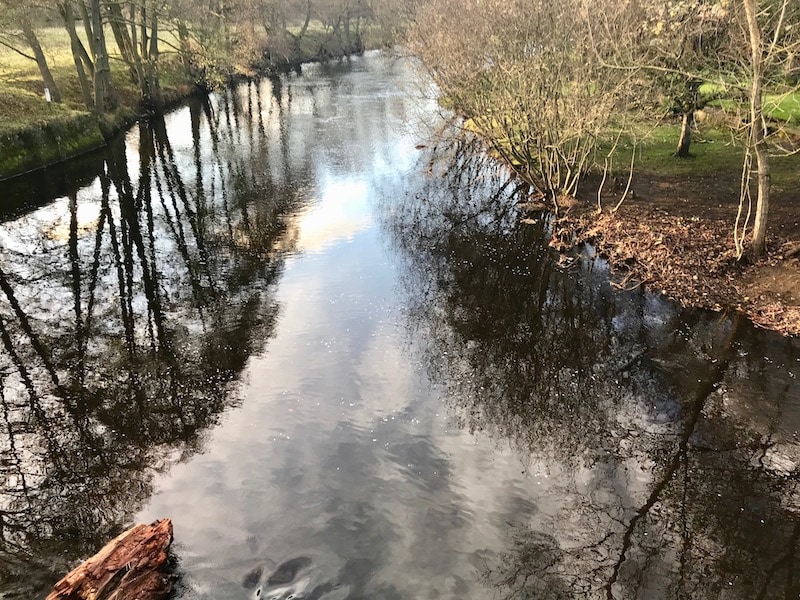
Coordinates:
[47,95]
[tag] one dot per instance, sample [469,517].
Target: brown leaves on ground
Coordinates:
[770,290]
[691,260]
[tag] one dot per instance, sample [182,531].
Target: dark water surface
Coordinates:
[343,368]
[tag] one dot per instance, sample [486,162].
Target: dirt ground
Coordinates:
[675,235]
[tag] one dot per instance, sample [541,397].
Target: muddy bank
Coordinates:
[676,237]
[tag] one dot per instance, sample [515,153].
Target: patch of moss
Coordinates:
[42,144]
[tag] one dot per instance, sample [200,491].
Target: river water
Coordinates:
[303,321]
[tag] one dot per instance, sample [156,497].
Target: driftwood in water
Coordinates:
[129,567]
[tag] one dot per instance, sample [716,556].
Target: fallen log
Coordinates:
[132,566]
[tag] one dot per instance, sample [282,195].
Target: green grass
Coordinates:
[33,132]
[710,90]
[711,151]
[56,140]
[784,107]
[781,107]
[715,152]
[21,106]
[22,102]
[22,90]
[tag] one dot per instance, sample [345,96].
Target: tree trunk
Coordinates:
[186,48]
[87,21]
[79,55]
[223,24]
[41,61]
[104,97]
[155,83]
[687,122]
[757,129]
[67,8]
[153,52]
[143,29]
[134,28]
[130,567]
[129,52]
[307,20]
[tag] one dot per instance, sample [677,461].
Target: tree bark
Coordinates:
[154,84]
[130,53]
[185,45]
[67,10]
[134,35]
[87,21]
[143,29]
[79,55]
[153,52]
[757,129]
[129,567]
[685,141]
[104,97]
[307,20]
[41,61]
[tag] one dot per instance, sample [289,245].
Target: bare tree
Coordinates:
[769,43]
[84,66]
[104,94]
[745,49]
[681,49]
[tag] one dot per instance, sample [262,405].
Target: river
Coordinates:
[303,320]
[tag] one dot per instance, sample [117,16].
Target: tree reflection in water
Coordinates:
[125,328]
[667,437]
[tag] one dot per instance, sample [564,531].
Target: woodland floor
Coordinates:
[675,235]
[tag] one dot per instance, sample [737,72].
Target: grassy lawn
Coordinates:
[22,100]
[785,107]
[715,152]
[712,150]
[21,87]
[782,107]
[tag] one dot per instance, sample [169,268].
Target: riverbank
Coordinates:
[35,133]
[70,133]
[674,233]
